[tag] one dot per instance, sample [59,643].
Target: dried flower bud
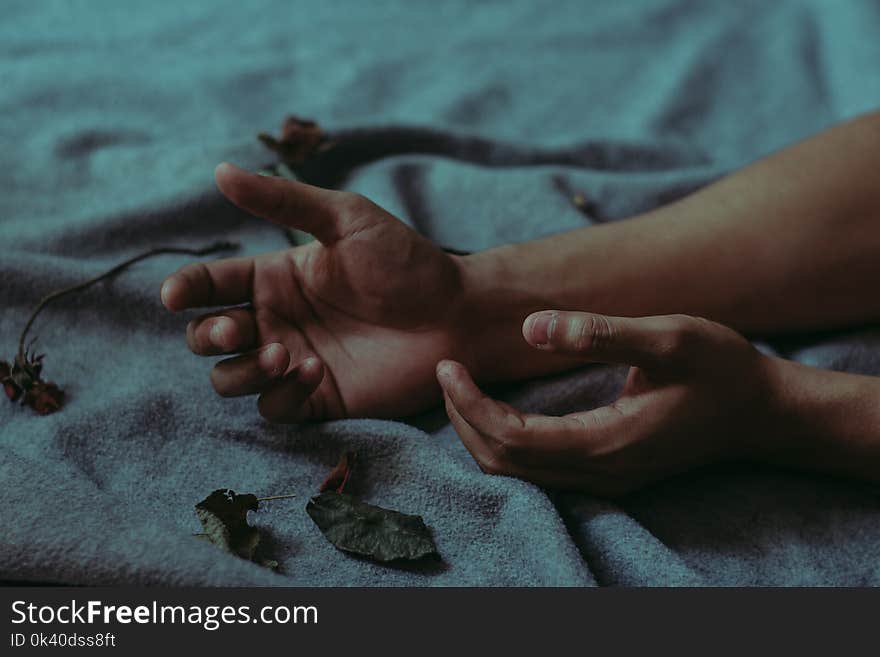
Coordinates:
[44,397]
[340,474]
[23,379]
[300,140]
[22,382]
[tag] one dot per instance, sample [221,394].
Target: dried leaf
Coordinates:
[339,475]
[223,514]
[368,530]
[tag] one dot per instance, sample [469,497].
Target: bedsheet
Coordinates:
[112,117]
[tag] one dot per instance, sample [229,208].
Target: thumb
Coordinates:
[287,202]
[646,342]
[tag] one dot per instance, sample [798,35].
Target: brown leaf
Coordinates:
[339,475]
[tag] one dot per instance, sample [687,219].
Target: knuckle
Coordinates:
[709,329]
[591,332]
[582,335]
[188,272]
[197,275]
[683,335]
[351,204]
[703,322]
[507,442]
[503,445]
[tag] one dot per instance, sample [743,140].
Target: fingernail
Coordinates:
[164,292]
[267,357]
[216,334]
[225,169]
[444,369]
[307,367]
[542,327]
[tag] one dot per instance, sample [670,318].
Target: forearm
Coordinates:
[826,421]
[788,243]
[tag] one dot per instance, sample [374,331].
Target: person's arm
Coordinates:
[831,419]
[354,323]
[790,243]
[697,393]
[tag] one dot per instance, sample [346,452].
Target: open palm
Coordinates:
[352,324]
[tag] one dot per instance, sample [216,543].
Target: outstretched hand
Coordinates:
[349,325]
[697,392]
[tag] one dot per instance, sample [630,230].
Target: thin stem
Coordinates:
[57,294]
[275,497]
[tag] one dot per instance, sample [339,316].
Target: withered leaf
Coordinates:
[223,514]
[370,531]
[339,475]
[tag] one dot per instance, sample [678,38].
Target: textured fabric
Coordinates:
[113,117]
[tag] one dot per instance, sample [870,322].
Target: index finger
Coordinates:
[224,282]
[288,202]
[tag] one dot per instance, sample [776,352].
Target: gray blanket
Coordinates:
[112,117]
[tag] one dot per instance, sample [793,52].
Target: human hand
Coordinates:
[351,324]
[697,392]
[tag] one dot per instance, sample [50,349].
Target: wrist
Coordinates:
[497,297]
[825,421]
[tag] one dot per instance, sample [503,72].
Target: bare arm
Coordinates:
[791,242]
[354,323]
[697,393]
